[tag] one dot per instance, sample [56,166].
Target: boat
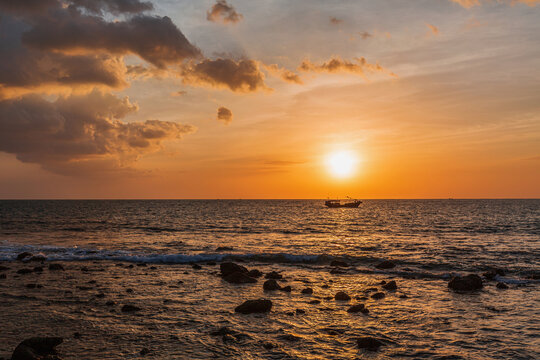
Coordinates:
[338,204]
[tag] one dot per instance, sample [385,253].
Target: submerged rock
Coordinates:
[501,285]
[37,348]
[55,266]
[315,302]
[491,274]
[255,273]
[378,296]
[369,343]
[38,257]
[254,306]
[307,291]
[130,308]
[466,283]
[274,275]
[196,266]
[287,288]
[271,285]
[356,308]
[22,256]
[224,248]
[144,351]
[342,296]
[339,263]
[386,264]
[390,286]
[227,268]
[239,278]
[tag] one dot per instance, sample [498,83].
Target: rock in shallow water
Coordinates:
[378,296]
[274,275]
[254,306]
[501,285]
[355,308]
[386,264]
[390,286]
[54,267]
[37,348]
[130,308]
[369,343]
[239,278]
[342,296]
[271,285]
[230,267]
[24,255]
[307,291]
[466,283]
[339,263]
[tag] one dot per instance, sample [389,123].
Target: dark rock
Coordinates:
[378,296]
[37,348]
[360,298]
[274,275]
[224,248]
[300,311]
[371,289]
[403,296]
[144,351]
[328,297]
[211,263]
[255,273]
[84,288]
[25,271]
[386,264]
[153,268]
[491,274]
[110,303]
[54,267]
[92,282]
[254,306]
[271,285]
[466,283]
[501,285]
[77,335]
[22,256]
[356,308]
[336,271]
[268,345]
[390,286]
[37,257]
[342,296]
[31,286]
[196,266]
[85,269]
[307,291]
[239,278]
[142,264]
[382,282]
[38,269]
[129,291]
[3,268]
[339,263]
[130,266]
[2,276]
[130,308]
[100,295]
[369,343]
[230,267]
[364,311]
[286,288]
[325,286]
[315,302]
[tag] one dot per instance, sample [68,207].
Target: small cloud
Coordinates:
[284,74]
[335,20]
[179,93]
[433,30]
[225,115]
[365,35]
[359,66]
[224,13]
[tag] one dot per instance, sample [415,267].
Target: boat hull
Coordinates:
[346,205]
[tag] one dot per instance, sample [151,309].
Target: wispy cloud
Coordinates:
[222,12]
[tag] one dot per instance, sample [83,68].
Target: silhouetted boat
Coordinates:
[339,204]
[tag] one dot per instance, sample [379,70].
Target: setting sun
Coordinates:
[341,163]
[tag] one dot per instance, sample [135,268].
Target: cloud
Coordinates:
[470,3]
[76,133]
[335,20]
[153,38]
[433,29]
[238,76]
[224,13]
[225,115]
[365,35]
[113,6]
[283,74]
[360,66]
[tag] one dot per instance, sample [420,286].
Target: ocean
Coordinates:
[164,257]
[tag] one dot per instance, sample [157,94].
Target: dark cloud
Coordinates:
[113,6]
[27,7]
[240,76]
[153,38]
[223,12]
[359,66]
[225,115]
[73,133]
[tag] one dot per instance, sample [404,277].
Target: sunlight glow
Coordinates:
[341,164]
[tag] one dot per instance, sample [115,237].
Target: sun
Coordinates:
[341,164]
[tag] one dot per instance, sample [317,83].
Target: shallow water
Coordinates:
[428,239]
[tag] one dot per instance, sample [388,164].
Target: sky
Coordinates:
[254,98]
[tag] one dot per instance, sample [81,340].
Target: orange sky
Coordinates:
[244,99]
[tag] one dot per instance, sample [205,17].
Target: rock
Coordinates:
[130,266]
[230,267]
[336,271]
[2,276]
[153,268]
[100,295]
[369,343]
[84,288]
[25,271]
[239,278]
[378,296]
[386,264]
[38,257]
[31,286]
[22,256]
[268,345]
[382,282]
[77,335]
[339,263]
[130,308]
[255,273]
[274,275]
[224,248]
[37,348]
[501,285]
[364,311]
[290,337]
[271,285]
[315,302]
[110,303]
[371,289]
[307,291]
[211,263]
[466,283]
[3,268]
[287,288]
[360,298]
[491,274]
[356,308]
[129,291]
[325,286]
[403,296]
[142,264]
[390,286]
[144,351]
[328,297]
[342,296]
[38,269]
[300,311]
[254,306]
[196,266]
[54,267]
